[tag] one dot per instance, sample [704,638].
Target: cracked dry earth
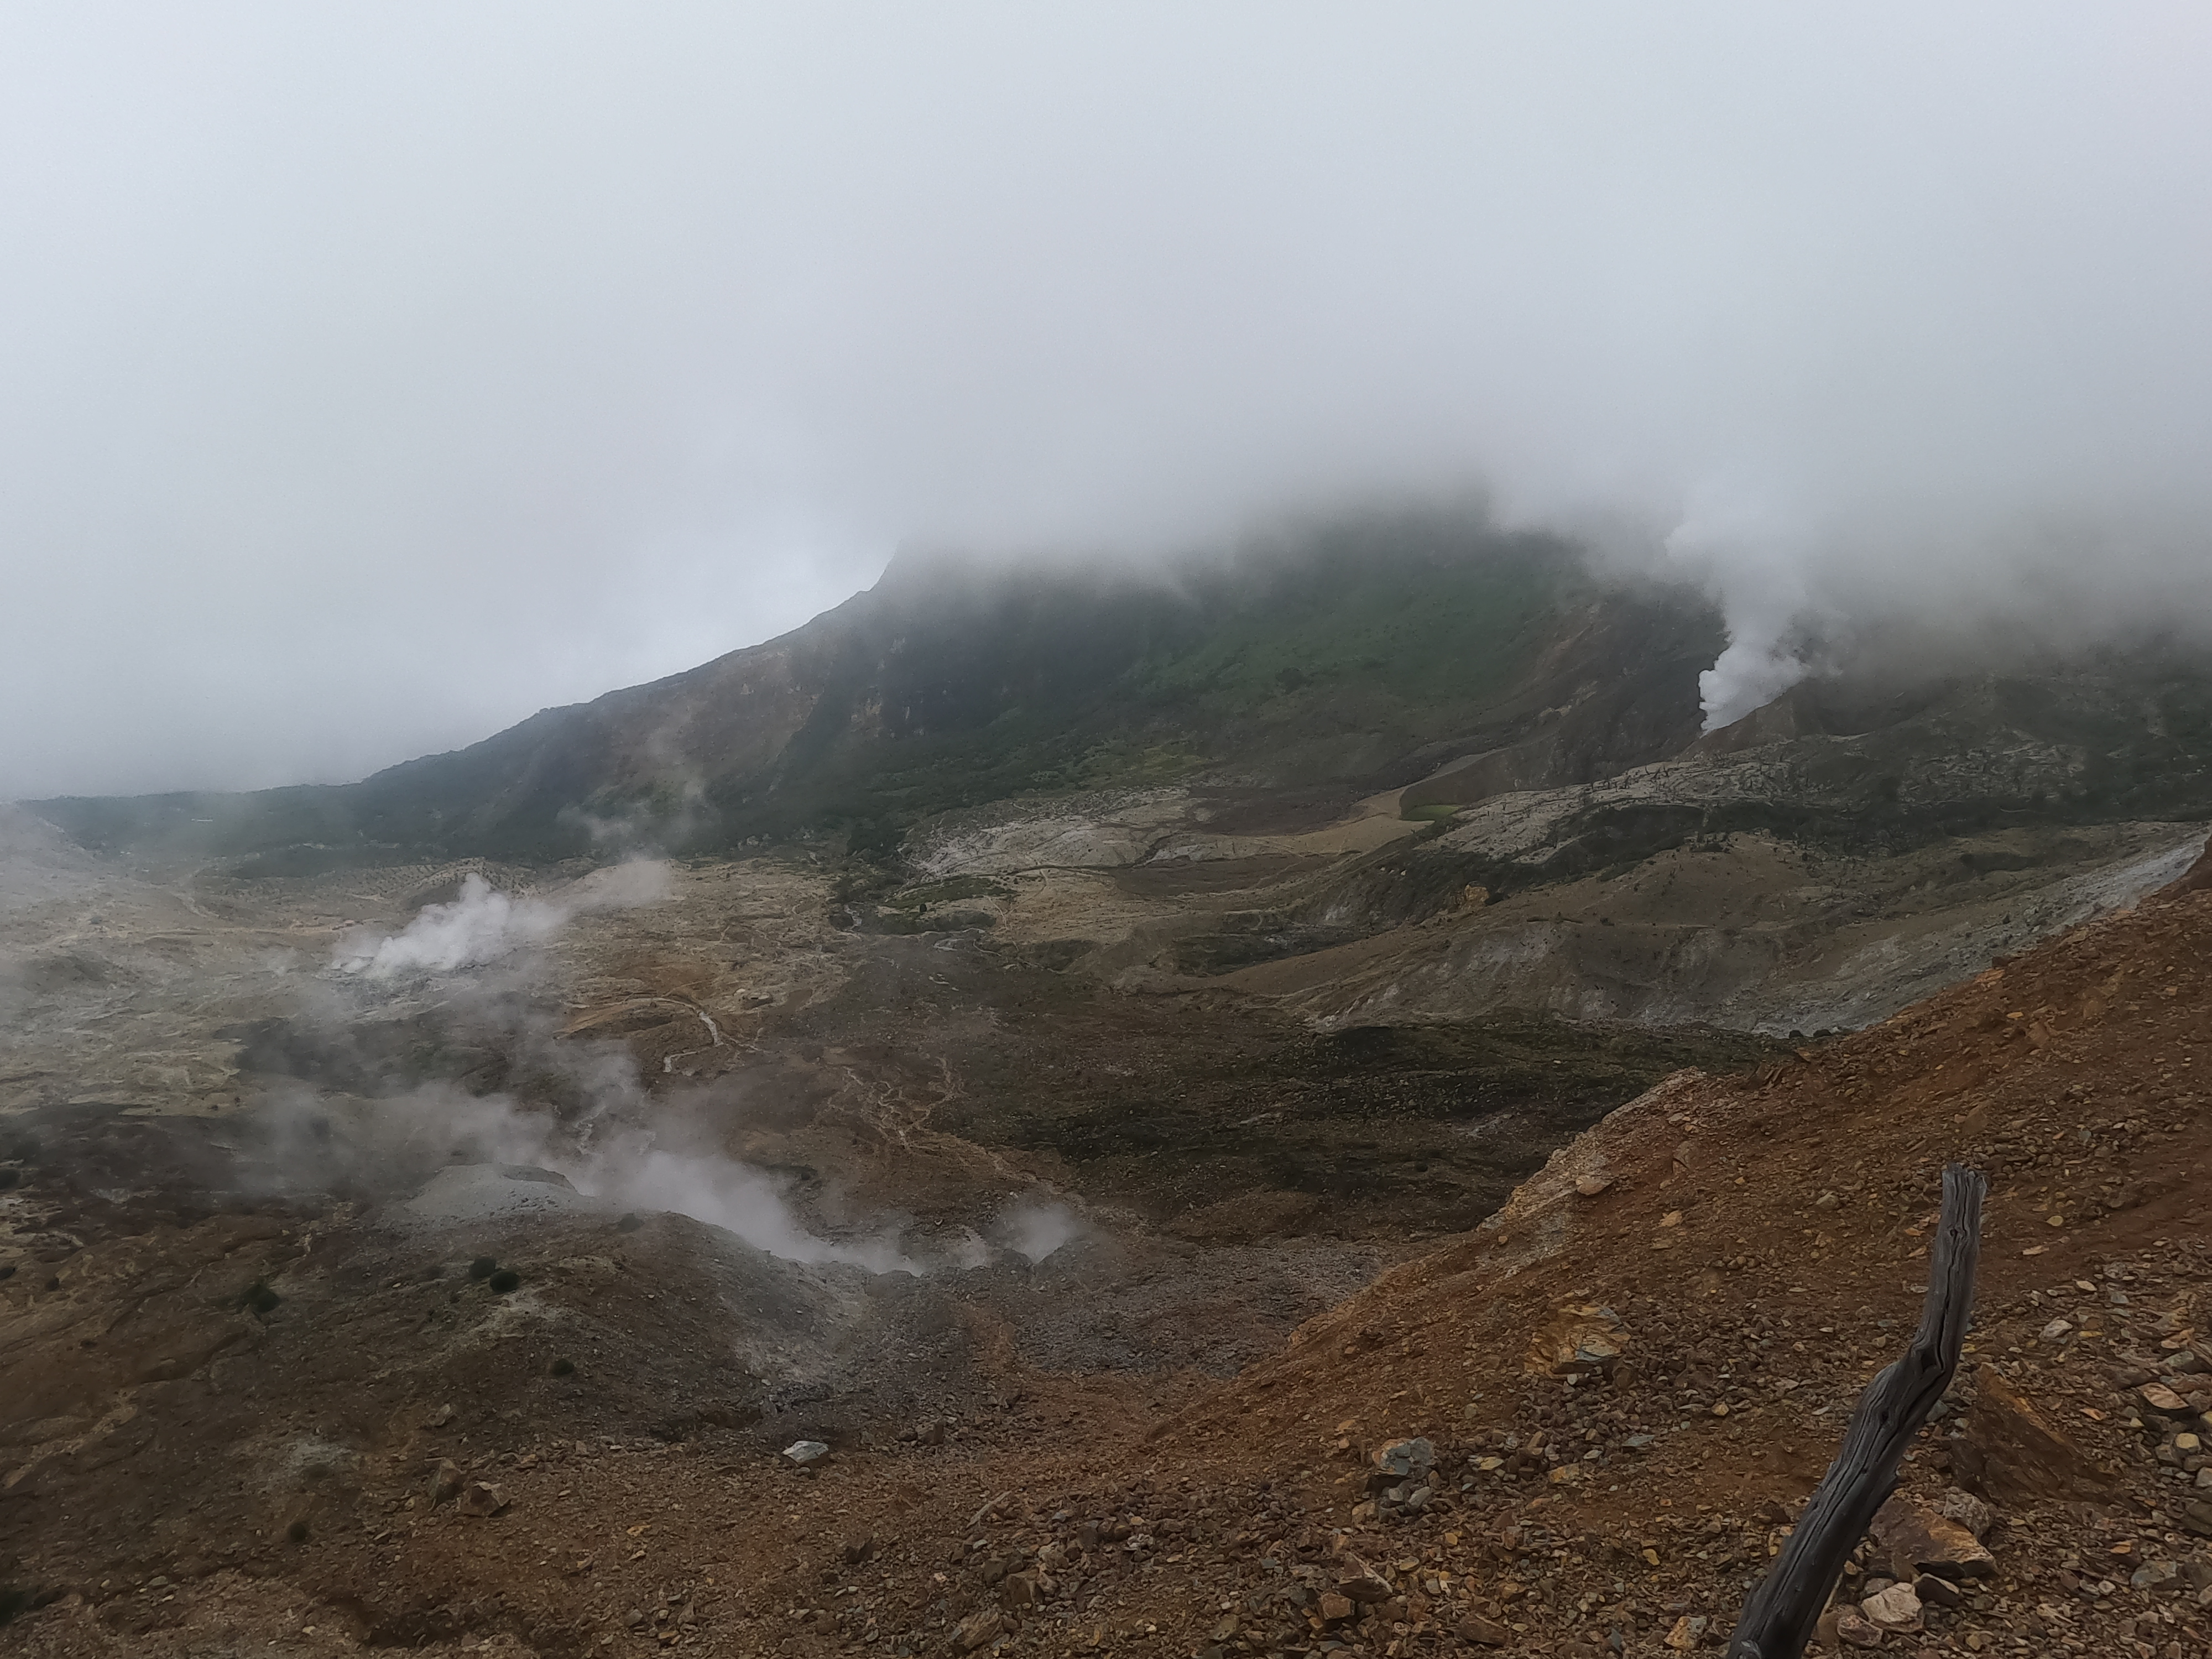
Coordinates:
[308,1424]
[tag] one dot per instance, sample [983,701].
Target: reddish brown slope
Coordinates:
[1760,1246]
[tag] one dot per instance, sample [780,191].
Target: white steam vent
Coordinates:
[482,924]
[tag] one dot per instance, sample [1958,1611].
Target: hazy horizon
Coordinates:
[377,376]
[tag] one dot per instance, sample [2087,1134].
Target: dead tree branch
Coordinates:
[1779,1617]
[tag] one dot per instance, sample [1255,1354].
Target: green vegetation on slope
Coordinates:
[1340,659]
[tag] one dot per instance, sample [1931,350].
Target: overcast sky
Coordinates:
[371,376]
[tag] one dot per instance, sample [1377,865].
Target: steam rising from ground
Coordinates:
[608,1156]
[616,1144]
[483,925]
[1036,1229]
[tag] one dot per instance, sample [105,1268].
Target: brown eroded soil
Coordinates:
[1754,1253]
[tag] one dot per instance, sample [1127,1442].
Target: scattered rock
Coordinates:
[1941,1592]
[978,1628]
[2156,1575]
[800,1453]
[445,1481]
[859,1548]
[1916,1538]
[1968,1510]
[1476,1628]
[1360,1581]
[2012,1453]
[1689,1631]
[1896,1608]
[439,1418]
[481,1498]
[2157,1397]
[1590,1186]
[1855,1629]
[1402,1459]
[1334,1609]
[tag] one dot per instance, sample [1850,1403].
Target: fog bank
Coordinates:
[376,375]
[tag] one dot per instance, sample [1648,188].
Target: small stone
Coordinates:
[978,1628]
[2056,1328]
[445,1481]
[1854,1627]
[1897,1608]
[2156,1575]
[803,1452]
[1689,1629]
[439,1418]
[1940,1591]
[1590,1186]
[859,1548]
[1917,1538]
[1968,1510]
[2157,1397]
[1334,1609]
[1360,1581]
[481,1498]
[1488,1632]
[1827,1201]
[1404,1460]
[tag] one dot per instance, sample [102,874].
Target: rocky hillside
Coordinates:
[1391,769]
[1357,658]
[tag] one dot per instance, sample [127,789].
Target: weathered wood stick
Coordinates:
[1779,1617]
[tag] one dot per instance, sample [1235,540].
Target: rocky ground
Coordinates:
[303,1345]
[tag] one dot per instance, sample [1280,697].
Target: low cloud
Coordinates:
[636,337]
